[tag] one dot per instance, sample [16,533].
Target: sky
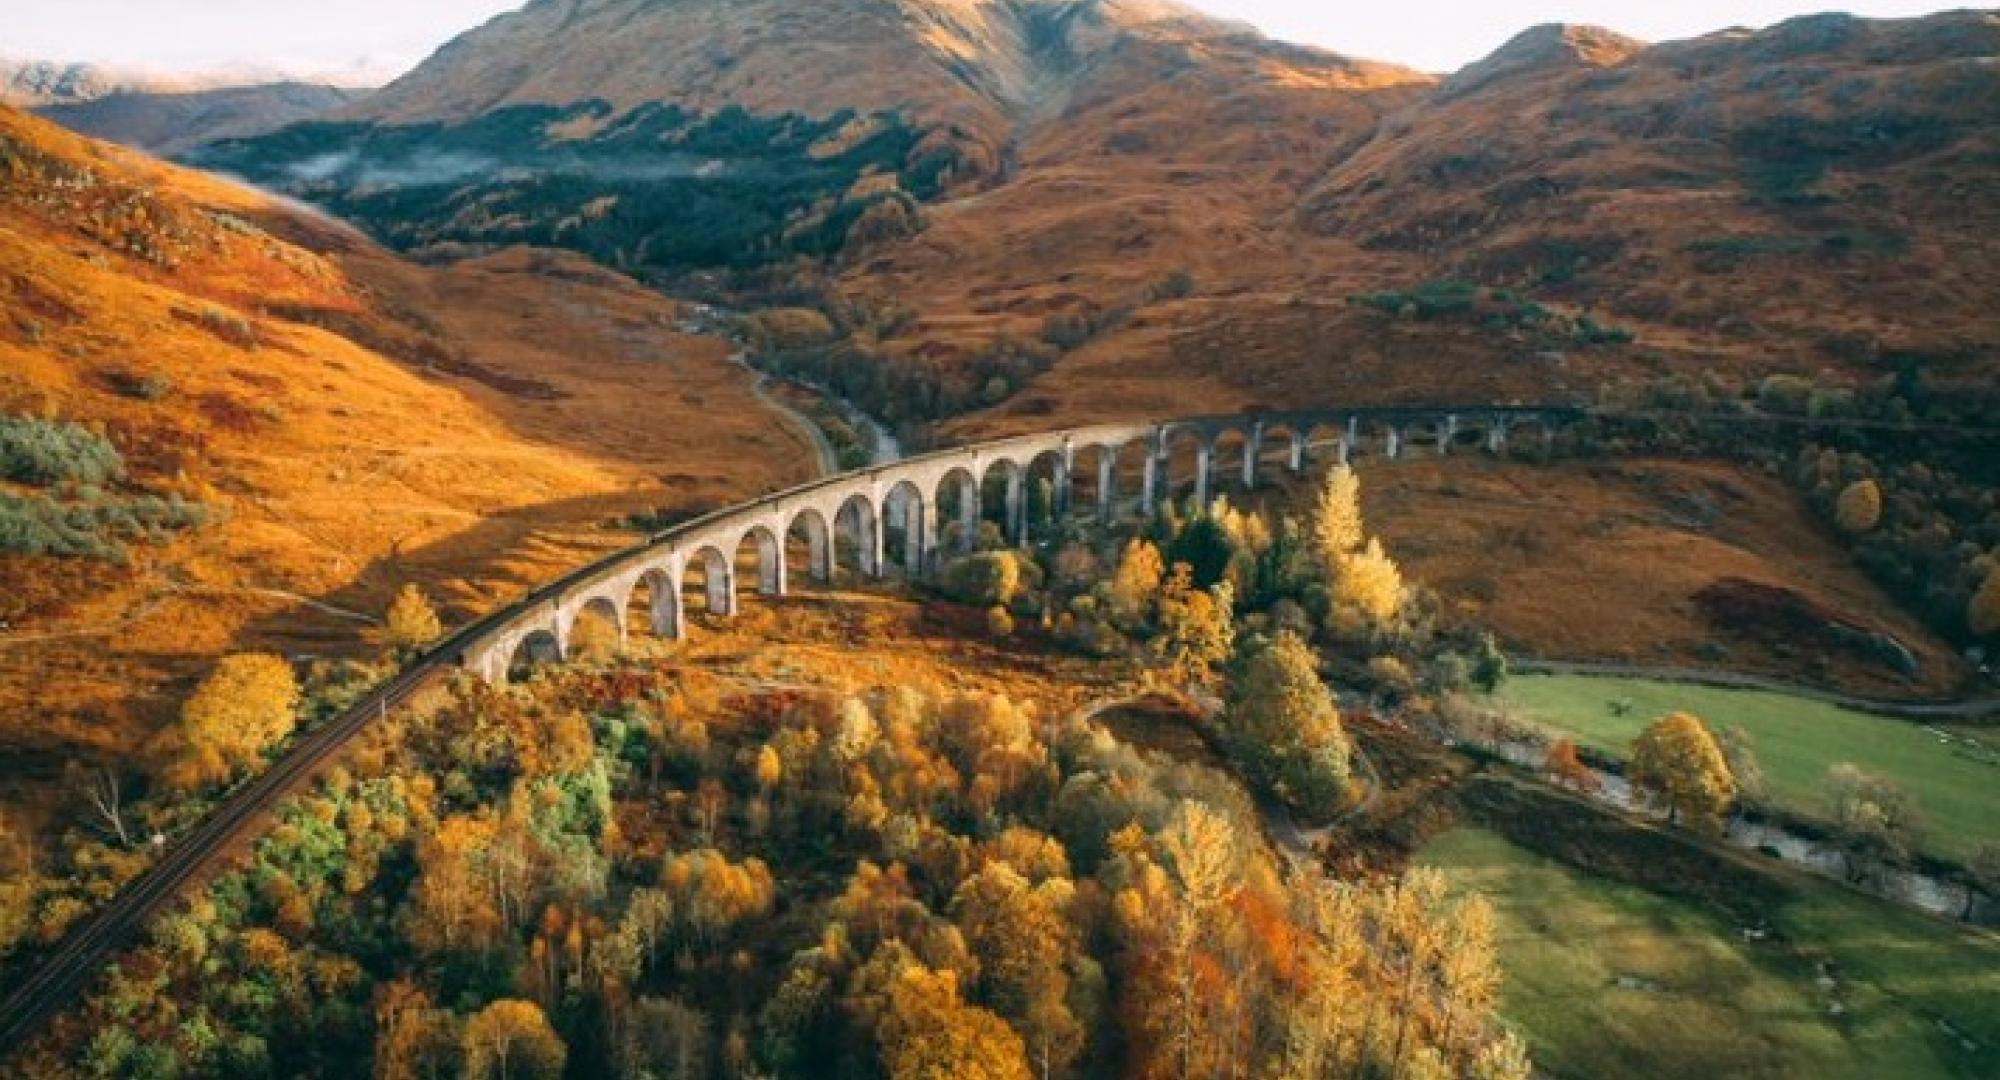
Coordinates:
[373,40]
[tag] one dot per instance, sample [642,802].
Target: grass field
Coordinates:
[1609,980]
[1796,740]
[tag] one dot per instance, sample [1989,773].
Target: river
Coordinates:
[1908,887]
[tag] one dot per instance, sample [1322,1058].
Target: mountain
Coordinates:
[162,112]
[174,123]
[1017,209]
[677,137]
[256,372]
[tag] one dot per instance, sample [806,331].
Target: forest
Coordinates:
[649,863]
[655,191]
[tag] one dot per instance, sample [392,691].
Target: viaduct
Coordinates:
[932,504]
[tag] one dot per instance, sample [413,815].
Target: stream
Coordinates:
[1908,887]
[885,448]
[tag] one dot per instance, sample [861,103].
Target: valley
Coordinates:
[894,539]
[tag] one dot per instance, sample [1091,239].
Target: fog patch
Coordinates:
[352,170]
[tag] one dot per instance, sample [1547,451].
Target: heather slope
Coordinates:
[349,422]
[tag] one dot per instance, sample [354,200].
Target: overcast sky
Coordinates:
[377,39]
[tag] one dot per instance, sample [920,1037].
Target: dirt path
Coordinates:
[154,602]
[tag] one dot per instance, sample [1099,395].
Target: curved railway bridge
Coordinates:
[906,517]
[887,518]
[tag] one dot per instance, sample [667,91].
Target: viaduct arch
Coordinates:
[915,499]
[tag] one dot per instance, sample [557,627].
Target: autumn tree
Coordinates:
[1023,941]
[245,707]
[414,1038]
[927,1032]
[1878,823]
[1281,724]
[1197,626]
[452,903]
[711,895]
[1566,767]
[512,1039]
[1136,583]
[412,623]
[1678,762]
[1367,586]
[1337,529]
[1859,507]
[1202,852]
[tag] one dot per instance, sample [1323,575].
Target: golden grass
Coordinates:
[1601,561]
[473,428]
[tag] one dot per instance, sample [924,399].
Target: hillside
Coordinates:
[167,123]
[682,137]
[1815,198]
[166,113]
[1101,208]
[259,375]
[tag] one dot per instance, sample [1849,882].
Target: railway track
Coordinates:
[76,960]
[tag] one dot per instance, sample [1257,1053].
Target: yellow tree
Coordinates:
[414,1038]
[768,769]
[1859,507]
[452,903]
[1201,849]
[242,709]
[412,623]
[1337,529]
[928,1032]
[1021,938]
[1136,582]
[1678,761]
[1282,725]
[512,1039]
[1197,627]
[1368,583]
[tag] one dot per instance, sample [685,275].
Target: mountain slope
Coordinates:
[166,113]
[175,123]
[1825,185]
[169,123]
[974,64]
[277,371]
[1017,209]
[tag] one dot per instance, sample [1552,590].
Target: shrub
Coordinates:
[791,328]
[44,452]
[1787,394]
[139,387]
[1178,285]
[93,526]
[985,579]
[1859,507]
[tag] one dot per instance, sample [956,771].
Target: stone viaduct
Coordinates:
[908,502]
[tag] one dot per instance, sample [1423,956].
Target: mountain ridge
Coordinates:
[1099,208]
